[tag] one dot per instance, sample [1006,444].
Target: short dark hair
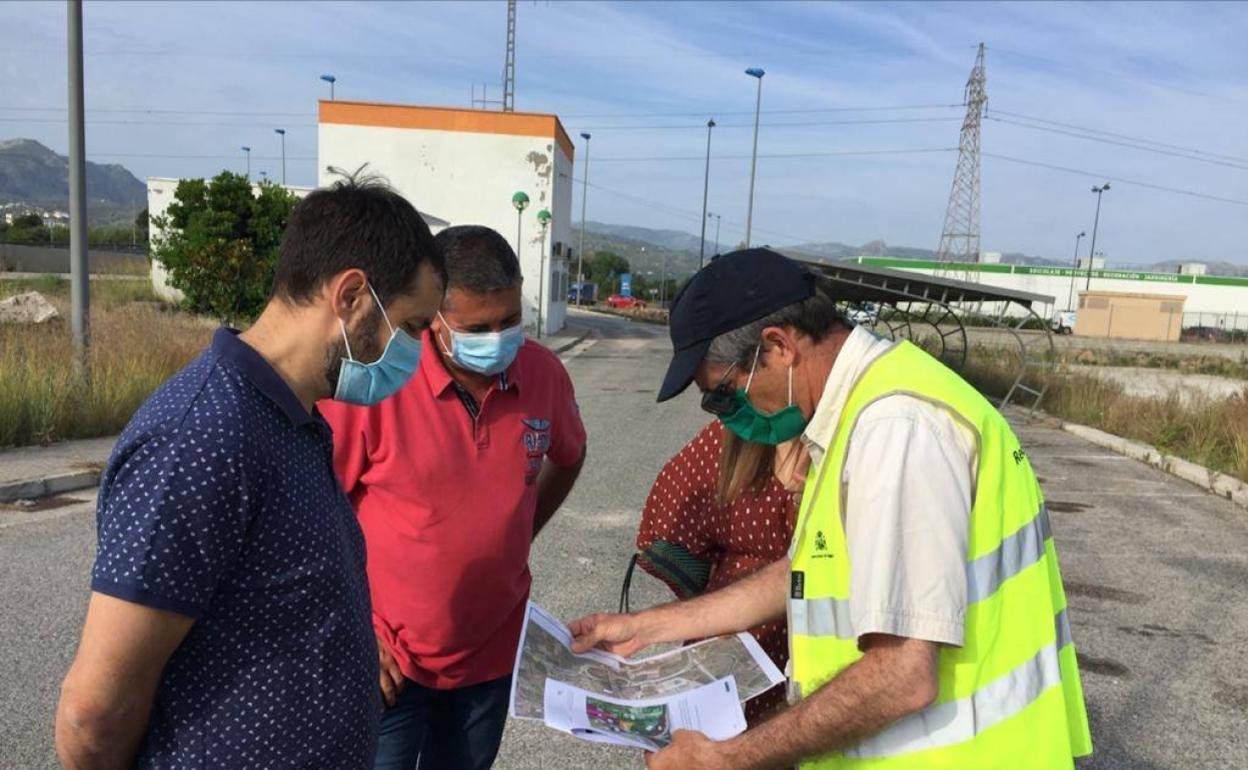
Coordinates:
[357,222]
[478,259]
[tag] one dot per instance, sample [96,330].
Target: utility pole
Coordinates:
[80,280]
[959,240]
[580,251]
[509,64]
[754,72]
[718,219]
[1095,222]
[247,152]
[706,188]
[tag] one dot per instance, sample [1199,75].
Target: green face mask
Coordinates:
[749,424]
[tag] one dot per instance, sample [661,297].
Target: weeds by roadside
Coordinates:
[1211,432]
[135,347]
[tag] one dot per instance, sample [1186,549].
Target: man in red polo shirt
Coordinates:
[452,478]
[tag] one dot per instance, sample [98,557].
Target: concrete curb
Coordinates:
[583,332]
[1219,484]
[30,489]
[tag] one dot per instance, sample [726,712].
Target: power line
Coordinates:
[106,122]
[157,111]
[780,155]
[685,213]
[1099,176]
[1193,150]
[1119,143]
[702,126]
[807,111]
[306,114]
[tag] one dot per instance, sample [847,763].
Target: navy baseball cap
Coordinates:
[732,291]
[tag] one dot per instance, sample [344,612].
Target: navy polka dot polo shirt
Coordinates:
[220,503]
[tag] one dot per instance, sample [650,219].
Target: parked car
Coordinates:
[1063,322]
[866,314]
[619,301]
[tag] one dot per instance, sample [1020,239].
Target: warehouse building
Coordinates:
[468,166]
[1209,301]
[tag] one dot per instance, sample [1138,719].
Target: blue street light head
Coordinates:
[755,72]
[329,78]
[585,136]
[246,149]
[281,131]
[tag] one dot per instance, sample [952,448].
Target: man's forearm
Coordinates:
[744,604]
[864,699]
[554,483]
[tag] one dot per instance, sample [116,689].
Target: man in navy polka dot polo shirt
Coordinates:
[229,624]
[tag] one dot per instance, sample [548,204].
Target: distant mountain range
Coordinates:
[31,173]
[646,249]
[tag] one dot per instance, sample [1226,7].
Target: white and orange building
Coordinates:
[464,166]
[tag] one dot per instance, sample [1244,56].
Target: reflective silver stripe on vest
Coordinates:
[1063,630]
[1016,552]
[821,617]
[953,722]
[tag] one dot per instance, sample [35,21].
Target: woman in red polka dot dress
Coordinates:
[702,529]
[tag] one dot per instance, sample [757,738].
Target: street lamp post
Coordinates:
[331,80]
[521,202]
[580,250]
[1070,300]
[1095,222]
[543,218]
[718,219]
[282,133]
[754,72]
[706,188]
[247,151]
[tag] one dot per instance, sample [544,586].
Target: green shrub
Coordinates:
[220,244]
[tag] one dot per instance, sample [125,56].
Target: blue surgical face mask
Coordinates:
[485,353]
[367,384]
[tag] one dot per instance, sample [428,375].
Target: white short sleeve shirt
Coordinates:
[909,481]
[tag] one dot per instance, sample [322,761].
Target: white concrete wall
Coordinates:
[469,178]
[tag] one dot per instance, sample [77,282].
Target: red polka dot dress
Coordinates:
[695,545]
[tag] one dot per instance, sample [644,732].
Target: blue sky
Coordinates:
[201,79]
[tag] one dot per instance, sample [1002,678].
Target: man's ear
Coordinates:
[348,294]
[780,345]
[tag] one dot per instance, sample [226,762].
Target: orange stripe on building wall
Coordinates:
[447,119]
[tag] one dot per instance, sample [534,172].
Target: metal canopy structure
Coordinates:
[935,312]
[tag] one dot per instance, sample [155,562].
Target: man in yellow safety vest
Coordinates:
[927,619]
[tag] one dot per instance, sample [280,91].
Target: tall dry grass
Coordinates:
[135,347]
[1211,432]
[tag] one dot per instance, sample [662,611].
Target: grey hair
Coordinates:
[815,316]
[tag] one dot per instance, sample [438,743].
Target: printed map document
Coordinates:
[666,680]
[713,709]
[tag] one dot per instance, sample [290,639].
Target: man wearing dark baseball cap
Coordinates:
[927,621]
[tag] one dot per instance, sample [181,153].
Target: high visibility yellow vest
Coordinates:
[1010,697]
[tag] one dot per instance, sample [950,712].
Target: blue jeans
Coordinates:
[432,729]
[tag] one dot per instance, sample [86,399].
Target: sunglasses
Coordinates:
[720,400]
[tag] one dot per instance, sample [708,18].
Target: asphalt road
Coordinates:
[1156,572]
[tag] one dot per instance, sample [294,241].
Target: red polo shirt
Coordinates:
[446,503]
